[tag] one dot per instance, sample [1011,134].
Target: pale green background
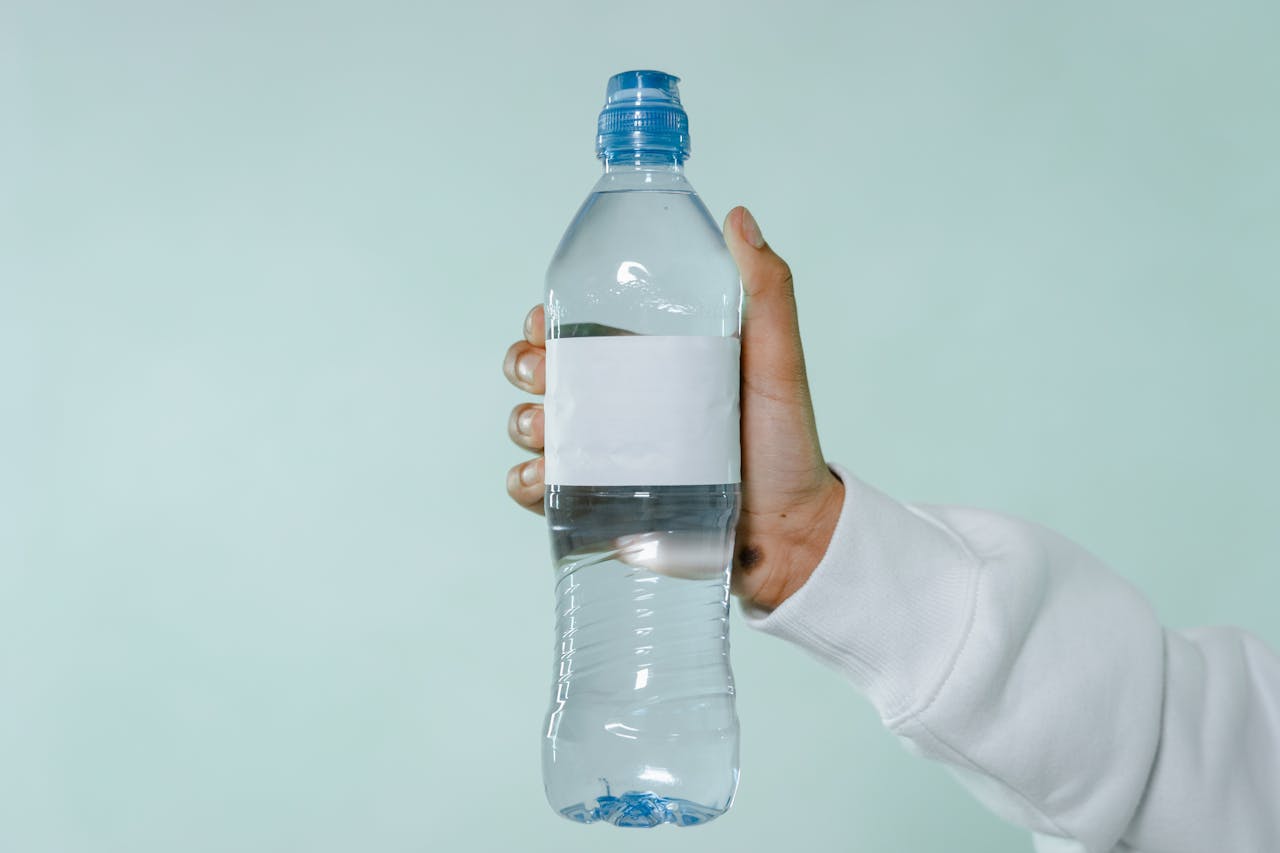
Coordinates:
[260,587]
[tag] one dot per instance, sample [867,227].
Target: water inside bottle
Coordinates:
[642,729]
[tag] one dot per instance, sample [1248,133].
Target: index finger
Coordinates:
[535,326]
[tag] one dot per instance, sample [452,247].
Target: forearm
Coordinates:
[1036,674]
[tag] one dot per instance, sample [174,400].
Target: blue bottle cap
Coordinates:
[642,112]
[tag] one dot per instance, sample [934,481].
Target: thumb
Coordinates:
[772,358]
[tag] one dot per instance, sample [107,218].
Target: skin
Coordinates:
[790,499]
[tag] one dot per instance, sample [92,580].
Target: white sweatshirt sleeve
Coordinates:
[1044,681]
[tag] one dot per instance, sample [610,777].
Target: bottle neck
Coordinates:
[643,170]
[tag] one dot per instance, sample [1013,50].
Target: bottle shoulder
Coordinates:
[652,261]
[662,224]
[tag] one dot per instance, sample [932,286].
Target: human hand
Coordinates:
[790,499]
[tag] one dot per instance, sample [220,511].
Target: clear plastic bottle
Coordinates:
[643,307]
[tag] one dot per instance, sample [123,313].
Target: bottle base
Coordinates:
[641,809]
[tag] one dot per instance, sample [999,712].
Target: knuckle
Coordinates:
[785,279]
[509,360]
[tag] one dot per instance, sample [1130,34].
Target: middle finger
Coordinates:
[525,367]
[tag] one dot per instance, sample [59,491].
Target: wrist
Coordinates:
[801,536]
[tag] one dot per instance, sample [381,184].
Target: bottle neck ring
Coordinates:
[633,159]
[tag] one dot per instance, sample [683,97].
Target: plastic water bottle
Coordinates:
[643,307]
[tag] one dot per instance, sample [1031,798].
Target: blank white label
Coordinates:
[642,410]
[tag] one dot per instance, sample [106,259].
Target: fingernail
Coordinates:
[528,324]
[524,423]
[526,365]
[529,473]
[751,230]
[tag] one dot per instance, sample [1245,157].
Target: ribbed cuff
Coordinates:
[890,604]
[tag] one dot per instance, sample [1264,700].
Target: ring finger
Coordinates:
[525,426]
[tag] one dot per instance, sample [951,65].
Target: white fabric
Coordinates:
[1044,681]
[659,410]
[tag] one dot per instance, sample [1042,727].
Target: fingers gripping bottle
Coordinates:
[643,306]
